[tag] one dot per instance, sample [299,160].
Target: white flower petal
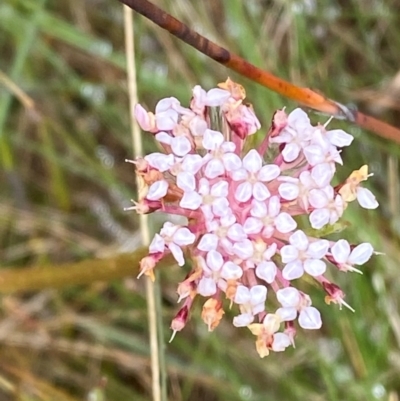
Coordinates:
[206,287]
[243,192]
[314,267]
[214,260]
[157,244]
[243,249]
[183,236]
[258,294]
[191,200]
[231,161]
[252,225]
[291,152]
[231,271]
[366,198]
[186,181]
[252,162]
[310,319]
[319,218]
[269,172]
[216,97]
[181,146]
[288,191]
[157,190]
[214,168]
[339,138]
[212,140]
[177,253]
[266,271]
[289,253]
[285,223]
[361,254]
[287,314]
[281,342]
[341,251]
[208,242]
[242,295]
[299,240]
[243,320]
[260,191]
[318,249]
[288,297]
[293,270]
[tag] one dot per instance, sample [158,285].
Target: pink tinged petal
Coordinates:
[166,103]
[281,342]
[208,242]
[157,244]
[212,140]
[271,251]
[181,146]
[287,314]
[314,267]
[220,189]
[192,163]
[142,117]
[243,249]
[269,172]
[214,168]
[206,287]
[252,162]
[314,154]
[291,152]
[266,271]
[163,137]
[285,223]
[310,318]
[288,191]
[244,192]
[214,260]
[237,233]
[231,271]
[318,249]
[258,308]
[289,253]
[160,161]
[252,225]
[243,320]
[341,251]
[157,190]
[361,254]
[299,240]
[191,200]
[216,97]
[220,207]
[322,174]
[293,270]
[319,218]
[242,295]
[197,126]
[318,198]
[339,138]
[186,181]
[166,120]
[177,253]
[239,175]
[274,206]
[258,294]
[231,161]
[183,236]
[366,198]
[260,191]
[228,147]
[168,229]
[288,297]
[258,209]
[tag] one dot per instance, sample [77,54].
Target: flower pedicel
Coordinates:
[242,208]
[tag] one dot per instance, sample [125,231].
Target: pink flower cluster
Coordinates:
[242,209]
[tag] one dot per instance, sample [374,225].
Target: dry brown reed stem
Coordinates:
[305,96]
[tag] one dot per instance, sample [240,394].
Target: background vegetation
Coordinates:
[64,135]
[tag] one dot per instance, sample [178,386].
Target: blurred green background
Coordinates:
[64,135]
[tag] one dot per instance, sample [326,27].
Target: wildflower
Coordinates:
[243,208]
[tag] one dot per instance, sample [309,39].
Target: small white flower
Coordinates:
[254,174]
[302,255]
[173,237]
[346,257]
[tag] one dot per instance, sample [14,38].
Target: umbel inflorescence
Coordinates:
[242,208]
